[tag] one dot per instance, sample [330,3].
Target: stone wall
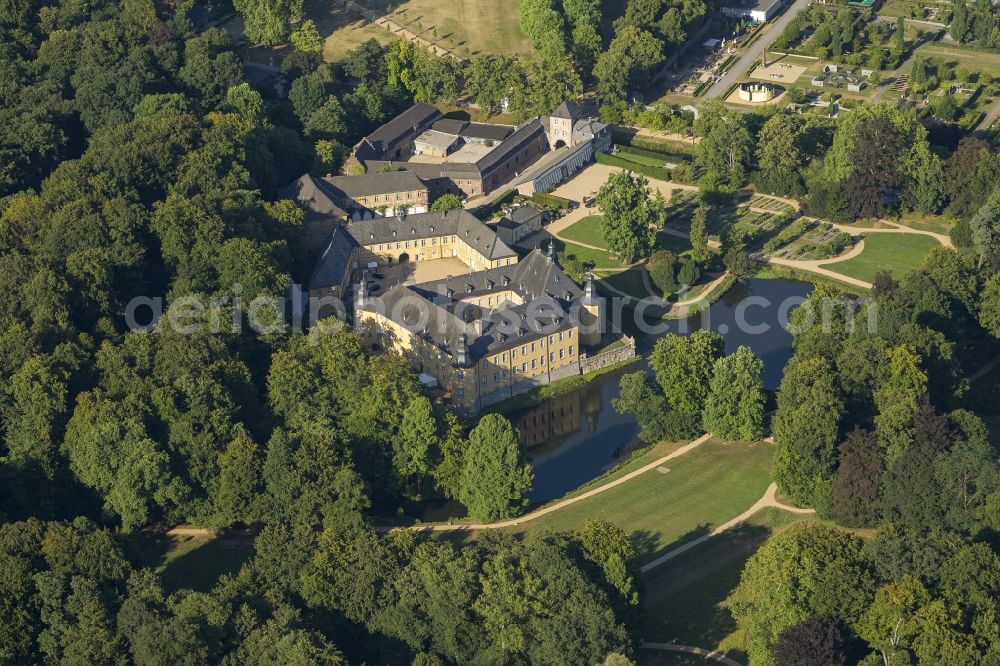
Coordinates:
[604,359]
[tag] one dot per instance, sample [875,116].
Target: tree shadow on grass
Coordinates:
[648,545]
[200,569]
[684,598]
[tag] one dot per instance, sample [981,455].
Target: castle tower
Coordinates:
[591,314]
[360,300]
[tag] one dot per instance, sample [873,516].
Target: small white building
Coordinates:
[759,11]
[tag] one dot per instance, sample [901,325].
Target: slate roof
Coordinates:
[521,137]
[523,214]
[485,131]
[406,125]
[368,184]
[449,126]
[567,110]
[314,195]
[547,291]
[459,223]
[332,267]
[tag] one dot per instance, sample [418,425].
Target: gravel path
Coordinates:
[769,500]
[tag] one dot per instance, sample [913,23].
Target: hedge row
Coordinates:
[654,144]
[659,173]
[655,154]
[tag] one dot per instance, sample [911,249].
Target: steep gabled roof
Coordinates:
[314,195]
[336,260]
[368,184]
[567,110]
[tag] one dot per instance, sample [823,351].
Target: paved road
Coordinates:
[771,33]
[991,115]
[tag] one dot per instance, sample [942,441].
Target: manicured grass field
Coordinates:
[597,258]
[896,253]
[685,597]
[935,223]
[586,230]
[703,488]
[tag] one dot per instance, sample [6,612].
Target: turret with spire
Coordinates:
[552,252]
[591,314]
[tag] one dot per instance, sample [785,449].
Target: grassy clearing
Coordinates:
[684,597]
[896,253]
[192,562]
[350,36]
[630,282]
[660,510]
[468,27]
[982,61]
[934,223]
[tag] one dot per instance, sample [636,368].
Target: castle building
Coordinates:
[392,240]
[488,335]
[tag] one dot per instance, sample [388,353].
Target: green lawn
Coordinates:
[896,253]
[935,223]
[684,600]
[630,282]
[704,488]
[597,258]
[193,563]
[586,230]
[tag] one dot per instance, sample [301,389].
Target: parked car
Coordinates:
[378,276]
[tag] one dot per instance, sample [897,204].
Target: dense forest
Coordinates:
[136,160]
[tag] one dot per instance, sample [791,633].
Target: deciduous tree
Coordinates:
[630,215]
[495,478]
[734,408]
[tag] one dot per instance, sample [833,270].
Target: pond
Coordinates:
[578,436]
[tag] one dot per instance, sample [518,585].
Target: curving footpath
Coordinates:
[690,649]
[769,500]
[817,265]
[545,510]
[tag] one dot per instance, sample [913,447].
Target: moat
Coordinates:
[578,436]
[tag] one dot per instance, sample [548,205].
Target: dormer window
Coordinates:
[506,280]
[371,236]
[451,292]
[489,284]
[432,228]
[412,230]
[394,233]
[469,288]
